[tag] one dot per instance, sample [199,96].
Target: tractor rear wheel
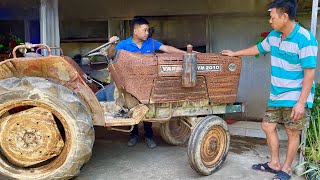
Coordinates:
[175,131]
[46,132]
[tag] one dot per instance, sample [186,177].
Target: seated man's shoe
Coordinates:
[133,141]
[150,142]
[123,113]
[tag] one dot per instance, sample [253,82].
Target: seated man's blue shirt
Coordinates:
[148,47]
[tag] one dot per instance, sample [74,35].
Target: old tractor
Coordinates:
[48,110]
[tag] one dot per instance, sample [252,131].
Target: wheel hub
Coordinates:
[213,145]
[178,129]
[30,137]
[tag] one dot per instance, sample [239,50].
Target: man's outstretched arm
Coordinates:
[170,49]
[251,51]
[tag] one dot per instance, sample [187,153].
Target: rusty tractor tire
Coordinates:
[175,132]
[46,132]
[208,145]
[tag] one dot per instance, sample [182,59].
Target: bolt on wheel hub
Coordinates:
[28,139]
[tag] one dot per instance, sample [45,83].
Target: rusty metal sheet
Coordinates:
[136,73]
[227,88]
[135,115]
[170,89]
[138,112]
[81,73]
[190,109]
[7,70]
[189,75]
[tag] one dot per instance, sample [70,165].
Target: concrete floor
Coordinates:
[112,159]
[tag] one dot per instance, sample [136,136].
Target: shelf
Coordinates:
[85,40]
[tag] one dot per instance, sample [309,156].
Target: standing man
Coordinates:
[141,42]
[293,51]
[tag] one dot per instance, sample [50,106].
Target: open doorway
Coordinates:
[177,31]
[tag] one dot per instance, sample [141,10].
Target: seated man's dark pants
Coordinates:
[148,133]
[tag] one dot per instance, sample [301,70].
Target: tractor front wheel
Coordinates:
[208,145]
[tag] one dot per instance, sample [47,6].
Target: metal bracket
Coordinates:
[122,130]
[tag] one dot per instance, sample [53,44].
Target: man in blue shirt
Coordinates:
[293,51]
[140,42]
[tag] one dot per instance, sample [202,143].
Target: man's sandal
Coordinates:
[266,168]
[281,175]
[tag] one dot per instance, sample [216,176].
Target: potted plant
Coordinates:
[7,43]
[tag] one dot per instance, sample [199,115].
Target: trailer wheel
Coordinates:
[46,132]
[208,145]
[175,132]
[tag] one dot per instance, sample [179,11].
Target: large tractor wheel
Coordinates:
[45,130]
[208,145]
[175,131]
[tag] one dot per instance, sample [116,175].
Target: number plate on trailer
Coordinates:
[208,67]
[200,68]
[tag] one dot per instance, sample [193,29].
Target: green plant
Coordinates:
[312,149]
[8,42]
[260,39]
[316,102]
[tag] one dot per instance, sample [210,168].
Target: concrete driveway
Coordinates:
[112,159]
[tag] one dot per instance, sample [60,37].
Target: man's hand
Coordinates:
[299,108]
[251,51]
[297,112]
[111,49]
[228,53]
[114,38]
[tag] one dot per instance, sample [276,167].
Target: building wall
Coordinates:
[19,9]
[225,32]
[231,24]
[228,24]
[234,33]
[101,9]
[15,27]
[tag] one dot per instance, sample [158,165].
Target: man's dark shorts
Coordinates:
[282,116]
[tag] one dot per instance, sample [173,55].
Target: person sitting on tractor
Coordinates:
[140,42]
